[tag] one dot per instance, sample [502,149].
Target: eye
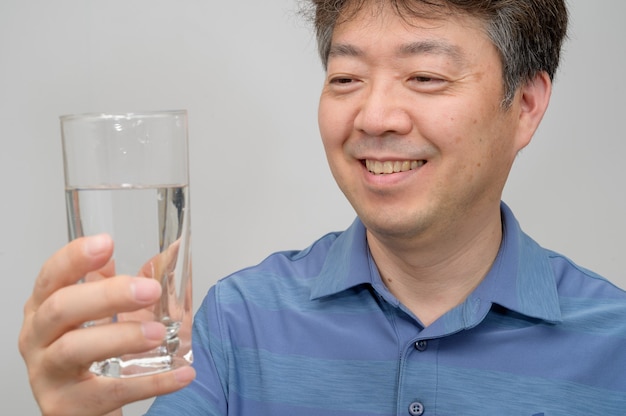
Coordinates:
[423,79]
[343,84]
[341,81]
[427,82]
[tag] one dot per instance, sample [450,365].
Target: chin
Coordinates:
[393,226]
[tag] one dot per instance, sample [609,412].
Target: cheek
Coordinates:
[465,142]
[330,134]
[325,122]
[334,126]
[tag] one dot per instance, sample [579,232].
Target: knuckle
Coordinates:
[117,392]
[23,342]
[61,354]
[54,308]
[44,281]
[49,408]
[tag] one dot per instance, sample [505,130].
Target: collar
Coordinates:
[347,263]
[521,278]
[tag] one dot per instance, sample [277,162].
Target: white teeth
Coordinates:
[387,167]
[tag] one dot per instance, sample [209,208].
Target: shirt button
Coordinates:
[416,409]
[421,345]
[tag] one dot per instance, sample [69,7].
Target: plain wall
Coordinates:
[248,73]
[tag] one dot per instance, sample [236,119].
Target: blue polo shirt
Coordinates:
[316,332]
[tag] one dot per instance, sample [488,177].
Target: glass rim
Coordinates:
[121,115]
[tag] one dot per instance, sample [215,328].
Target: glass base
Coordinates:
[139,365]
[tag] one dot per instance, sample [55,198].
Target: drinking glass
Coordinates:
[127,175]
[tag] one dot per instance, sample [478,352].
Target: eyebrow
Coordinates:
[425,47]
[343,49]
[435,47]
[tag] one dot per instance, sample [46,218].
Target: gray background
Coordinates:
[248,73]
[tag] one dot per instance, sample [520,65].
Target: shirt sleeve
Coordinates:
[206,395]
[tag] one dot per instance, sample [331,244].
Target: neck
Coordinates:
[430,276]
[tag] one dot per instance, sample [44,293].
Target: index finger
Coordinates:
[68,265]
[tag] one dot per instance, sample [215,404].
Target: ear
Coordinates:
[532,101]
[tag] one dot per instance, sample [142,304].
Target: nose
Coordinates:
[383,111]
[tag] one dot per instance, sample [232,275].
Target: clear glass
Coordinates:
[127,175]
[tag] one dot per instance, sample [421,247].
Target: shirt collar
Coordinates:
[521,278]
[346,265]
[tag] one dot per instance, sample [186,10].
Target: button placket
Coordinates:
[418,374]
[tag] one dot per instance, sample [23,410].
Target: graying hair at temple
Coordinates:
[528,34]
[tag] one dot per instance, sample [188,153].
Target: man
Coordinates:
[433,302]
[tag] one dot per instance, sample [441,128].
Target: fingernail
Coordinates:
[96,244]
[145,290]
[153,330]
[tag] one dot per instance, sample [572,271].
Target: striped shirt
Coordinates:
[316,332]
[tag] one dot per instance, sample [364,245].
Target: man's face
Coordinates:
[412,122]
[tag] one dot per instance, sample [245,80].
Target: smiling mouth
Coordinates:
[392,166]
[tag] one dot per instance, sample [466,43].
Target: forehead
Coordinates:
[419,14]
[426,9]
[405,33]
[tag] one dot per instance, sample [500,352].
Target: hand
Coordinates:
[58,351]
